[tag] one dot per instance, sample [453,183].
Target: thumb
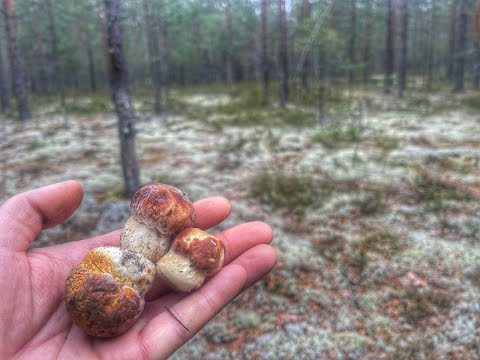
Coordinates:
[24,216]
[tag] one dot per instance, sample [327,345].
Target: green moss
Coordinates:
[353,342]
[90,154]
[335,135]
[415,346]
[386,142]
[218,333]
[35,144]
[290,191]
[370,202]
[464,166]
[419,102]
[419,303]
[370,301]
[246,319]
[104,196]
[472,102]
[432,190]
[384,242]
[90,104]
[374,244]
[238,115]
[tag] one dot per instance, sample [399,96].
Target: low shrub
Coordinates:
[293,192]
[335,135]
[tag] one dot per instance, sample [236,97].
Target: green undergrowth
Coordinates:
[246,103]
[417,304]
[90,105]
[461,165]
[370,202]
[422,103]
[336,135]
[431,189]
[339,101]
[246,107]
[386,142]
[472,102]
[112,194]
[374,244]
[290,191]
[268,118]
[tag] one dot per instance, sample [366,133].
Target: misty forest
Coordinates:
[351,127]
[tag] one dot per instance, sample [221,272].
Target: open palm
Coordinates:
[33,319]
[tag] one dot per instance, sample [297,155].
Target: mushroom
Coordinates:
[159,212]
[104,294]
[194,256]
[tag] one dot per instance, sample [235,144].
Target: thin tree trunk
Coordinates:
[452,41]
[252,67]
[476,30]
[423,48]
[431,46]
[165,65]
[283,55]
[91,66]
[154,59]
[416,30]
[367,48]
[264,53]
[55,60]
[306,62]
[197,37]
[18,76]
[461,49]
[389,48]
[102,25]
[321,71]
[352,41]
[402,61]
[333,61]
[476,66]
[4,96]
[121,97]
[39,67]
[228,27]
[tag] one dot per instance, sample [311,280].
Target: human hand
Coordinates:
[34,323]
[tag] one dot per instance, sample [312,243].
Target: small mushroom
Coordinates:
[194,256]
[104,294]
[159,212]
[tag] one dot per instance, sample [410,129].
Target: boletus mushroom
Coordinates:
[159,212]
[194,256]
[104,294]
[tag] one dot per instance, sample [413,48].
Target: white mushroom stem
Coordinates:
[141,239]
[177,270]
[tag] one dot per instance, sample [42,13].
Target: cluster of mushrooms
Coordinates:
[104,294]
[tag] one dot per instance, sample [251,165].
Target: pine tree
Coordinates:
[282,54]
[18,76]
[389,47]
[121,97]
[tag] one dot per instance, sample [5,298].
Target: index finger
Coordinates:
[164,333]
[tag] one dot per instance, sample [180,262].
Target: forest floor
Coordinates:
[375,210]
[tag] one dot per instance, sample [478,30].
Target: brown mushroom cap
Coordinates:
[102,307]
[104,293]
[163,208]
[204,251]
